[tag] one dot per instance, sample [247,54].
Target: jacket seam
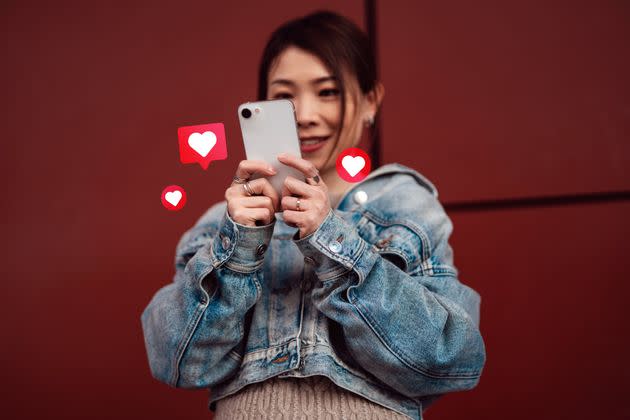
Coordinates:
[190,329]
[243,269]
[334,276]
[350,261]
[247,358]
[266,350]
[420,369]
[333,273]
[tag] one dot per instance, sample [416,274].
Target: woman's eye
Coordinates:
[282,95]
[329,92]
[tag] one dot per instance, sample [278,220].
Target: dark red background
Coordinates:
[491,100]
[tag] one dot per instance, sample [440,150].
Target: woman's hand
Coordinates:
[305,205]
[252,201]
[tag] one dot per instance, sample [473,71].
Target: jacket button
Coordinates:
[225,242]
[360,197]
[334,246]
[261,249]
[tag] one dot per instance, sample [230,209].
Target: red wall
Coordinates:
[499,100]
[503,100]
[490,101]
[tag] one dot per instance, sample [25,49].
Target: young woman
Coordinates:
[331,300]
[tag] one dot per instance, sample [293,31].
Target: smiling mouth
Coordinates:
[313,140]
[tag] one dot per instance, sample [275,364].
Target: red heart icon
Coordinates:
[173,197]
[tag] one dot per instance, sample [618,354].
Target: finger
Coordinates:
[247,168]
[306,167]
[294,218]
[264,215]
[290,203]
[262,186]
[292,186]
[249,216]
[255,201]
[260,201]
[315,180]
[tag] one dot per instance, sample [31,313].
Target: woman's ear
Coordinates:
[374,98]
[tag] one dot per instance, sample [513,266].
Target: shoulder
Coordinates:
[396,173]
[399,206]
[394,190]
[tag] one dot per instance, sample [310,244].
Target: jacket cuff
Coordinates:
[335,248]
[242,248]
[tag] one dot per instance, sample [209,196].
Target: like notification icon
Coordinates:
[353,164]
[202,143]
[173,197]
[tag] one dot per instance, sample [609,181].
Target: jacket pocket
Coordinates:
[398,241]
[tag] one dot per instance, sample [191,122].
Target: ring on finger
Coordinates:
[248,189]
[297,205]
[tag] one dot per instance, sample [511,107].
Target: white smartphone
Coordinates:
[269,128]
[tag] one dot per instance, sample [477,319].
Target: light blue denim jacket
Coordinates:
[371,300]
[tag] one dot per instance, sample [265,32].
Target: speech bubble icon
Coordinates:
[173,197]
[202,143]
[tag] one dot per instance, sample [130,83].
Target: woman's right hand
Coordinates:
[248,209]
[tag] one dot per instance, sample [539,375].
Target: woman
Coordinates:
[331,300]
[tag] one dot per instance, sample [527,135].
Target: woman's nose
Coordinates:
[305,113]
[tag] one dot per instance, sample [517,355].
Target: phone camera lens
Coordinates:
[246,113]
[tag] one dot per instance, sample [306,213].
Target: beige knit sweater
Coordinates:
[314,397]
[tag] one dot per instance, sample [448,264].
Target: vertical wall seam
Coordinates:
[370,25]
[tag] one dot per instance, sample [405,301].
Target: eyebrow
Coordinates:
[314,81]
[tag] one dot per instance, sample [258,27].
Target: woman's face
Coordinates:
[302,77]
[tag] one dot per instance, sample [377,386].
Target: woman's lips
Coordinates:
[313,143]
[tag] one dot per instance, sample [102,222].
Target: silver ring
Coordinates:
[297,205]
[248,188]
[239,180]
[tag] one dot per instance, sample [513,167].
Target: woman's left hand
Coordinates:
[305,204]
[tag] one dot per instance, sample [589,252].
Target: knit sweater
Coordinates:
[314,397]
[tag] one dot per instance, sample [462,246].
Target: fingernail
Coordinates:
[272,170]
[282,155]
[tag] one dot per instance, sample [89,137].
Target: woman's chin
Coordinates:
[320,157]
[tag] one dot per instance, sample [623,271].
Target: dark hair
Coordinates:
[335,39]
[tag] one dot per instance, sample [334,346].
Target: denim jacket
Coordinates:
[371,300]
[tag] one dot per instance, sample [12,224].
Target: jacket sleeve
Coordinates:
[194,327]
[413,325]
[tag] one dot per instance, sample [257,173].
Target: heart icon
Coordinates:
[173,197]
[202,143]
[353,165]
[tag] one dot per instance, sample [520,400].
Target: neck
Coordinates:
[336,186]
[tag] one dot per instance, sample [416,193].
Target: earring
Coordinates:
[369,121]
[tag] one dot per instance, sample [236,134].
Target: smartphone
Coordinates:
[269,128]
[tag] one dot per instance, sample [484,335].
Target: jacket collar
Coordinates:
[390,169]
